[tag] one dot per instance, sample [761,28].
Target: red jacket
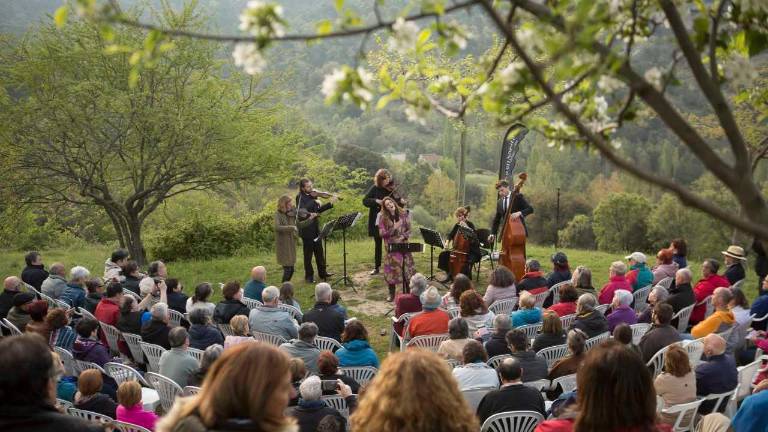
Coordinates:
[405,303]
[705,287]
[107,311]
[615,283]
[429,322]
[563,309]
[566,425]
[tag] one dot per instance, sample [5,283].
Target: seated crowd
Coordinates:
[500,345]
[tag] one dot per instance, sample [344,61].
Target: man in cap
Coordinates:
[639,274]
[734,263]
[19,313]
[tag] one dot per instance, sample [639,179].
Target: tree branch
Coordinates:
[713,39]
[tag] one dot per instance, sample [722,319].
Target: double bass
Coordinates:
[512,253]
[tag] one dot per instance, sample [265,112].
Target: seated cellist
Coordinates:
[473,254]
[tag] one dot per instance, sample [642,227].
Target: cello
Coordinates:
[512,254]
[460,253]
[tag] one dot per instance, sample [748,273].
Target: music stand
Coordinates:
[343,223]
[434,240]
[325,232]
[405,248]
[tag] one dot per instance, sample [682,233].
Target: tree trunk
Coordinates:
[135,243]
[462,162]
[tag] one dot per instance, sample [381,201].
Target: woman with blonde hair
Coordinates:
[430,402]
[395,227]
[248,389]
[287,226]
[382,187]
[241,332]
[130,409]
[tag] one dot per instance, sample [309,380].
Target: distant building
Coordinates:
[400,157]
[431,159]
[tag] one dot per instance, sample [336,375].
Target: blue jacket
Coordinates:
[203,336]
[525,316]
[357,353]
[716,375]
[753,414]
[253,289]
[760,308]
[73,295]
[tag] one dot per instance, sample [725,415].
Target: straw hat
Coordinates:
[736,252]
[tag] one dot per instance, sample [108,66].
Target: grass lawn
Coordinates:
[368,304]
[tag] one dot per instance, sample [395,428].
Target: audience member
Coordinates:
[589,320]
[312,408]
[331,423]
[534,366]
[177,300]
[53,286]
[497,344]
[355,350]
[577,341]
[233,396]
[680,250]
[11,286]
[661,333]
[132,314]
[74,293]
[88,398]
[680,293]
[157,270]
[132,277]
[617,281]
[241,332]
[87,347]
[202,333]
[269,318]
[721,320]
[155,331]
[513,394]
[66,387]
[210,355]
[108,309]
[475,373]
[231,305]
[200,298]
[760,307]
[639,276]
[527,313]
[706,287]
[658,295]
[432,320]
[623,333]
[409,302]
[256,284]
[753,412]
[735,259]
[665,266]
[460,284]
[622,312]
[19,313]
[38,309]
[567,305]
[330,322]
[29,393]
[552,333]
[62,335]
[298,373]
[335,299]
[287,296]
[176,363]
[533,279]
[458,333]
[474,311]
[582,281]
[717,374]
[328,370]
[304,347]
[501,286]
[561,272]
[34,273]
[739,306]
[94,289]
[113,267]
[630,405]
[131,409]
[431,401]
[677,383]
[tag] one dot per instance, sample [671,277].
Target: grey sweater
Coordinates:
[178,365]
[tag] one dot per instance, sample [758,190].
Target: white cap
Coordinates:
[637,257]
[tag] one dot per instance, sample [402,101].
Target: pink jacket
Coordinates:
[136,415]
[615,283]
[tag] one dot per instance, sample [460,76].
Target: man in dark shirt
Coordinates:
[12,286]
[34,273]
[513,394]
[717,374]
[660,334]
[535,366]
[309,233]
[329,321]
[681,294]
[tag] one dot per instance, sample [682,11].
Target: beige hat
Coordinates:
[736,252]
[637,257]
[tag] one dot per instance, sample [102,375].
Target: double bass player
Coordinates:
[514,205]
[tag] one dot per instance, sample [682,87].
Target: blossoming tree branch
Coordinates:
[563,67]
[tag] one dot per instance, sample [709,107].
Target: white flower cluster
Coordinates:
[558,129]
[511,75]
[405,34]
[609,84]
[654,77]
[740,71]
[248,56]
[457,35]
[600,121]
[262,20]
[348,85]
[416,114]
[754,6]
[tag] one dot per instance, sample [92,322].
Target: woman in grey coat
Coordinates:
[286,233]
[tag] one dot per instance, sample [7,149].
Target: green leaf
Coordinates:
[384,77]
[60,17]
[135,59]
[424,36]
[740,43]
[384,100]
[324,27]
[339,4]
[117,49]
[757,42]
[133,77]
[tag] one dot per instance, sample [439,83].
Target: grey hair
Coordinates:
[661,294]
[418,284]
[79,272]
[270,294]
[576,341]
[310,389]
[200,316]
[625,297]
[586,303]
[619,267]
[323,291]
[502,322]
[211,354]
[685,273]
[458,328]
[177,336]
[308,332]
[159,311]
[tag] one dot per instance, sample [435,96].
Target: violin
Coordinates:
[302,213]
[320,194]
[393,187]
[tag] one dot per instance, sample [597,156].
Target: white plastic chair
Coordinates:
[554,353]
[641,298]
[638,330]
[64,405]
[52,303]
[153,353]
[191,390]
[134,344]
[695,349]
[404,319]
[226,330]
[603,308]
[683,316]
[113,337]
[12,328]
[60,304]
[709,305]
[540,298]
[196,354]
[495,361]
[81,366]
[657,361]
[531,330]
[89,415]
[67,359]
[721,399]
[503,307]
[666,282]
[269,338]
[327,344]
[555,290]
[565,382]
[474,396]
[594,341]
[292,310]
[567,320]
[128,427]
[428,342]
[362,374]
[685,413]
[452,363]
[166,388]
[132,294]
[251,303]
[85,314]
[512,421]
[453,312]
[175,318]
[746,375]
[337,402]
[122,372]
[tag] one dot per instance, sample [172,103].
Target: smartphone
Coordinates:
[329,385]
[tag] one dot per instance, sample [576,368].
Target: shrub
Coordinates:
[578,233]
[620,222]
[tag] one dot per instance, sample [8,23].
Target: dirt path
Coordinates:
[370,296]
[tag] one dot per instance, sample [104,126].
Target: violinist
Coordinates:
[473,253]
[306,201]
[520,208]
[286,233]
[383,186]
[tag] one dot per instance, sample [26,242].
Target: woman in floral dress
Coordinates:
[395,227]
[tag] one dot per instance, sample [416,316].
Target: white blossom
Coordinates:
[458,35]
[528,38]
[349,85]
[616,144]
[262,20]
[248,56]
[405,34]
[415,115]
[609,84]
[653,76]
[740,71]
[601,106]
[332,82]
[510,75]
[483,89]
